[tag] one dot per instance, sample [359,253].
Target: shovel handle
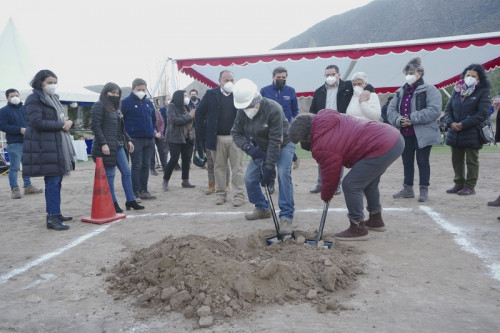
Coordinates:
[322,222]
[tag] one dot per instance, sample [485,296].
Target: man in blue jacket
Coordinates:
[13,123]
[140,123]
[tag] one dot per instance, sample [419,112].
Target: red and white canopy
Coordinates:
[442,58]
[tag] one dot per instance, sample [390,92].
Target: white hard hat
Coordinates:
[244,91]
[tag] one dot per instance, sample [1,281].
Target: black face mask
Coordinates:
[305,145]
[114,100]
[194,98]
[280,83]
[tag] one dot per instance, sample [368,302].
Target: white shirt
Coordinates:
[369,110]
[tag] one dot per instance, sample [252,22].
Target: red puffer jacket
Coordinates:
[338,139]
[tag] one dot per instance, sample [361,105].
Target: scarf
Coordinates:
[69,155]
[462,88]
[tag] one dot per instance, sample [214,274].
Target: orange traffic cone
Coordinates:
[103,210]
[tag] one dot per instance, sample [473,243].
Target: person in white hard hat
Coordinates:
[261,130]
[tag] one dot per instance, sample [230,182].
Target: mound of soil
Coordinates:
[213,279]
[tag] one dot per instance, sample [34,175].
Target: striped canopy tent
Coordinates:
[442,58]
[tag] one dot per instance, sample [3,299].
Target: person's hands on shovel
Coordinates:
[268,176]
[255,152]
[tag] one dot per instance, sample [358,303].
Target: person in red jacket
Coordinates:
[367,147]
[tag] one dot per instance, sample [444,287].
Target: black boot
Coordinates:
[54,222]
[117,208]
[133,204]
[65,218]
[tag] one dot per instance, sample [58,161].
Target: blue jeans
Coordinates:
[53,195]
[285,198]
[15,151]
[408,157]
[141,159]
[122,164]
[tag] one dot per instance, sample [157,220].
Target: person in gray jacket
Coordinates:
[261,130]
[415,110]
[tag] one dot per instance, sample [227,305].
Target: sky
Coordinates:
[96,41]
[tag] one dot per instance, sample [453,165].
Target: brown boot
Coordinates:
[375,221]
[187,184]
[228,186]
[495,203]
[211,188]
[356,231]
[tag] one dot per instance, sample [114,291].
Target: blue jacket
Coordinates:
[207,117]
[286,97]
[12,118]
[139,116]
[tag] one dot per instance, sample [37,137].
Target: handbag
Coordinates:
[486,135]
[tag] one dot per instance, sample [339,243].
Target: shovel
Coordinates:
[314,242]
[278,237]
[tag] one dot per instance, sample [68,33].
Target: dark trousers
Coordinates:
[160,147]
[184,150]
[140,159]
[408,157]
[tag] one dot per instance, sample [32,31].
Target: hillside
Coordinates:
[393,20]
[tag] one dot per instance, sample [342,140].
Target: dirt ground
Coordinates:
[435,269]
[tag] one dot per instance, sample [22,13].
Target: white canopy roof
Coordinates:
[442,58]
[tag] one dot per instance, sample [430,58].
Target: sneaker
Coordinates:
[146,195]
[165,185]
[466,191]
[406,192]
[316,189]
[32,190]
[258,214]
[424,193]
[286,227]
[220,200]
[137,197]
[338,190]
[16,193]
[454,189]
[295,164]
[238,202]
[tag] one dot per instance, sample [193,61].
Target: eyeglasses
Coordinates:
[331,74]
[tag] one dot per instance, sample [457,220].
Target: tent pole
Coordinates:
[445,92]
[155,89]
[349,69]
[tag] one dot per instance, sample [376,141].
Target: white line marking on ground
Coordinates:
[460,238]
[4,278]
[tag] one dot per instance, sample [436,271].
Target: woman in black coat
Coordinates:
[465,115]
[180,137]
[110,142]
[47,149]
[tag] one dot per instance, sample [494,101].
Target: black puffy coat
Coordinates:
[472,113]
[108,128]
[42,148]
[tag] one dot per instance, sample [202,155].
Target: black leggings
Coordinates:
[185,150]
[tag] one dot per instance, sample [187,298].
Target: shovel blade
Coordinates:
[312,242]
[278,238]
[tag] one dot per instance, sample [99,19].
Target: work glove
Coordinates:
[255,152]
[268,176]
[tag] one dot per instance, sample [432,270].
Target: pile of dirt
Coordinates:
[212,279]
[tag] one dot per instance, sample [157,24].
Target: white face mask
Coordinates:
[251,112]
[410,79]
[186,100]
[50,88]
[357,90]
[228,87]
[15,100]
[470,81]
[140,94]
[331,80]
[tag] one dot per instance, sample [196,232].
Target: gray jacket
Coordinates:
[269,129]
[426,104]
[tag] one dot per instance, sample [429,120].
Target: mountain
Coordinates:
[395,20]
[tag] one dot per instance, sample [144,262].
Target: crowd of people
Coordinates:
[346,127]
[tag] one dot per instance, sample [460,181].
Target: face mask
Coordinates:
[140,94]
[280,83]
[251,112]
[15,100]
[228,87]
[305,145]
[186,100]
[331,80]
[410,79]
[50,88]
[114,100]
[357,90]
[194,98]
[470,81]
